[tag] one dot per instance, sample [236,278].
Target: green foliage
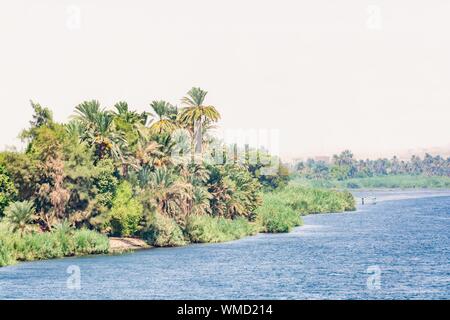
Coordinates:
[277,216]
[344,167]
[236,193]
[19,216]
[163,231]
[63,241]
[126,212]
[394,181]
[281,209]
[105,182]
[89,242]
[6,253]
[7,256]
[22,170]
[207,229]
[8,191]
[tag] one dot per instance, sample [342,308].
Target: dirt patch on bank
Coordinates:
[126,244]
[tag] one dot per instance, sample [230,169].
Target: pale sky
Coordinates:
[371,76]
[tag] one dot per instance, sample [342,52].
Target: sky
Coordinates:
[370,76]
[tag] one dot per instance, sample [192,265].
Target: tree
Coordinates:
[8,191]
[20,215]
[196,114]
[167,114]
[126,212]
[99,130]
[42,117]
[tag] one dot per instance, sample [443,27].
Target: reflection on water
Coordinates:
[334,256]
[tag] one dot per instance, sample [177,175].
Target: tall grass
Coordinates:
[62,242]
[277,215]
[281,209]
[163,231]
[207,229]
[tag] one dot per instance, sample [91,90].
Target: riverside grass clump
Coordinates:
[163,231]
[207,229]
[60,242]
[282,209]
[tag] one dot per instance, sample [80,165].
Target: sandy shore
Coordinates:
[126,244]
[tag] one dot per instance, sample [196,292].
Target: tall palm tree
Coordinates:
[196,114]
[166,113]
[20,215]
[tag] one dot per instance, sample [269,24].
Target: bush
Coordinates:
[7,256]
[89,242]
[36,246]
[126,212]
[281,209]
[207,229]
[61,242]
[163,232]
[275,215]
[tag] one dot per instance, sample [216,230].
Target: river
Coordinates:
[398,248]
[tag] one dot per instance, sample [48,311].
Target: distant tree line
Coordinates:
[344,166]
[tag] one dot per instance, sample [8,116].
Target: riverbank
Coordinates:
[280,211]
[379,182]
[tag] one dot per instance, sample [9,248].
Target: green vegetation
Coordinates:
[204,229]
[159,175]
[282,208]
[7,189]
[162,231]
[126,212]
[61,242]
[395,181]
[19,216]
[346,172]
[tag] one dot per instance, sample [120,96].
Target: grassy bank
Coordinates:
[62,242]
[281,209]
[397,181]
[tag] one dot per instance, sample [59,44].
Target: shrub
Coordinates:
[126,212]
[281,209]
[20,215]
[89,242]
[63,241]
[7,256]
[275,215]
[163,232]
[207,229]
[36,246]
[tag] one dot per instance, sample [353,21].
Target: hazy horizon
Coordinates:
[369,76]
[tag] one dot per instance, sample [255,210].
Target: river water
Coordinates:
[398,248]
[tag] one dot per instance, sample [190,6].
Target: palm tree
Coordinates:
[99,130]
[173,196]
[166,113]
[196,114]
[20,215]
[201,201]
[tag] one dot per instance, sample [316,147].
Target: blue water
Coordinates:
[402,247]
